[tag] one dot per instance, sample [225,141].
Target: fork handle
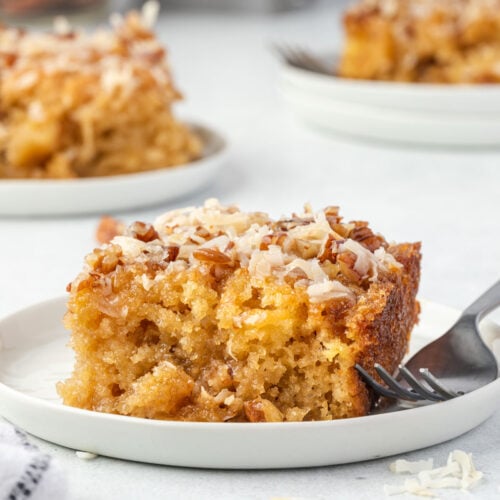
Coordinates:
[486,303]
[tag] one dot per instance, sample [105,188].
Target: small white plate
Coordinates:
[438,114]
[34,357]
[391,124]
[117,192]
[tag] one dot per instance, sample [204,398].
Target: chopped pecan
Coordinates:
[287,224]
[364,235]
[262,410]
[211,255]
[108,228]
[105,261]
[8,58]
[229,246]
[143,232]
[332,210]
[86,283]
[295,275]
[341,230]
[332,216]
[203,232]
[346,261]
[277,238]
[307,249]
[171,253]
[153,56]
[109,262]
[325,252]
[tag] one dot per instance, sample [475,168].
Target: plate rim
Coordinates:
[294,93]
[389,85]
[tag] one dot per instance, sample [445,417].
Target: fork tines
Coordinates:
[417,391]
[300,57]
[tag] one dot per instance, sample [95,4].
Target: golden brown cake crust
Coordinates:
[397,311]
[456,41]
[217,315]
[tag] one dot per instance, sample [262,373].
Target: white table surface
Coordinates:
[448,199]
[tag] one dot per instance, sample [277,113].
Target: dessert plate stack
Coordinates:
[411,113]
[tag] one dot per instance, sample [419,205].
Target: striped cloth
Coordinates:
[26,472]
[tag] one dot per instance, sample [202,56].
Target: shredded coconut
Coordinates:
[402,466]
[62,25]
[149,13]
[459,473]
[85,455]
[320,292]
[303,249]
[131,247]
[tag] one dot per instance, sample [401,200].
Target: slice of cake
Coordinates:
[79,105]
[453,41]
[213,314]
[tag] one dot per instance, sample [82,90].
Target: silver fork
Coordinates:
[300,57]
[454,364]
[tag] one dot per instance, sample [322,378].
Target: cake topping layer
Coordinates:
[463,11]
[116,56]
[313,250]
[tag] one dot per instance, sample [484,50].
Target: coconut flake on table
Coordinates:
[459,473]
[85,455]
[402,466]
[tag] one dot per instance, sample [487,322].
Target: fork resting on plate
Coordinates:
[454,364]
[301,57]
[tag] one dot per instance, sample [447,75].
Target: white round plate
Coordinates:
[440,114]
[391,124]
[34,357]
[117,192]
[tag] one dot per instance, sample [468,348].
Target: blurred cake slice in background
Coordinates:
[79,105]
[452,41]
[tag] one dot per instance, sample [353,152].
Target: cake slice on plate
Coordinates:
[214,314]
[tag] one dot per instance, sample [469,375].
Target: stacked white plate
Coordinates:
[432,114]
